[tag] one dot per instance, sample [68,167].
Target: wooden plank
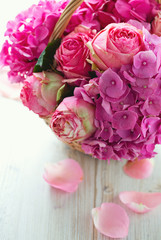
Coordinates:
[30,209]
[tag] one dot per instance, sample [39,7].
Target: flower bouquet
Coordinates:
[92,70]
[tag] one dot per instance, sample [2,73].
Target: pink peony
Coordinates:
[115,45]
[73,120]
[72,54]
[39,92]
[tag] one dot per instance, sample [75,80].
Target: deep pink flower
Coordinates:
[93,4]
[112,88]
[130,135]
[124,120]
[103,110]
[145,64]
[98,149]
[108,14]
[145,87]
[28,35]
[128,101]
[80,92]
[92,87]
[142,10]
[73,120]
[152,106]
[140,25]
[115,45]
[104,130]
[39,92]
[158,87]
[151,41]
[149,126]
[147,150]
[72,54]
[102,119]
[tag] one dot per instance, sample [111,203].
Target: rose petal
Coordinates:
[140,202]
[111,220]
[139,169]
[65,175]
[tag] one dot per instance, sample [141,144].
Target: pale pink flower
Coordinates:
[156,25]
[39,92]
[73,120]
[115,45]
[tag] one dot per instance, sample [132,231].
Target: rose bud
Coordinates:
[156,25]
[72,54]
[39,92]
[115,45]
[73,120]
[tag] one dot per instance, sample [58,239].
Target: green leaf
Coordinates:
[64,91]
[45,61]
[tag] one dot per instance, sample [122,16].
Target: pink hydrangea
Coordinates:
[28,34]
[142,10]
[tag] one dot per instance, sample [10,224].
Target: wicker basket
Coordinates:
[57,33]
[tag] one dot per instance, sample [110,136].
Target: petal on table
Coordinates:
[111,220]
[140,202]
[65,175]
[139,169]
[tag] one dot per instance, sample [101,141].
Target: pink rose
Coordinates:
[73,120]
[156,25]
[39,92]
[72,54]
[115,45]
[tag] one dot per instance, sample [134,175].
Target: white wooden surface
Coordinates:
[31,210]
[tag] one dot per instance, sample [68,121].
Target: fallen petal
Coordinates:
[111,220]
[65,175]
[139,169]
[140,202]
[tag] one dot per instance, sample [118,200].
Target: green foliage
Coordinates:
[46,59]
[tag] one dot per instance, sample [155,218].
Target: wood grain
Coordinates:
[31,210]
